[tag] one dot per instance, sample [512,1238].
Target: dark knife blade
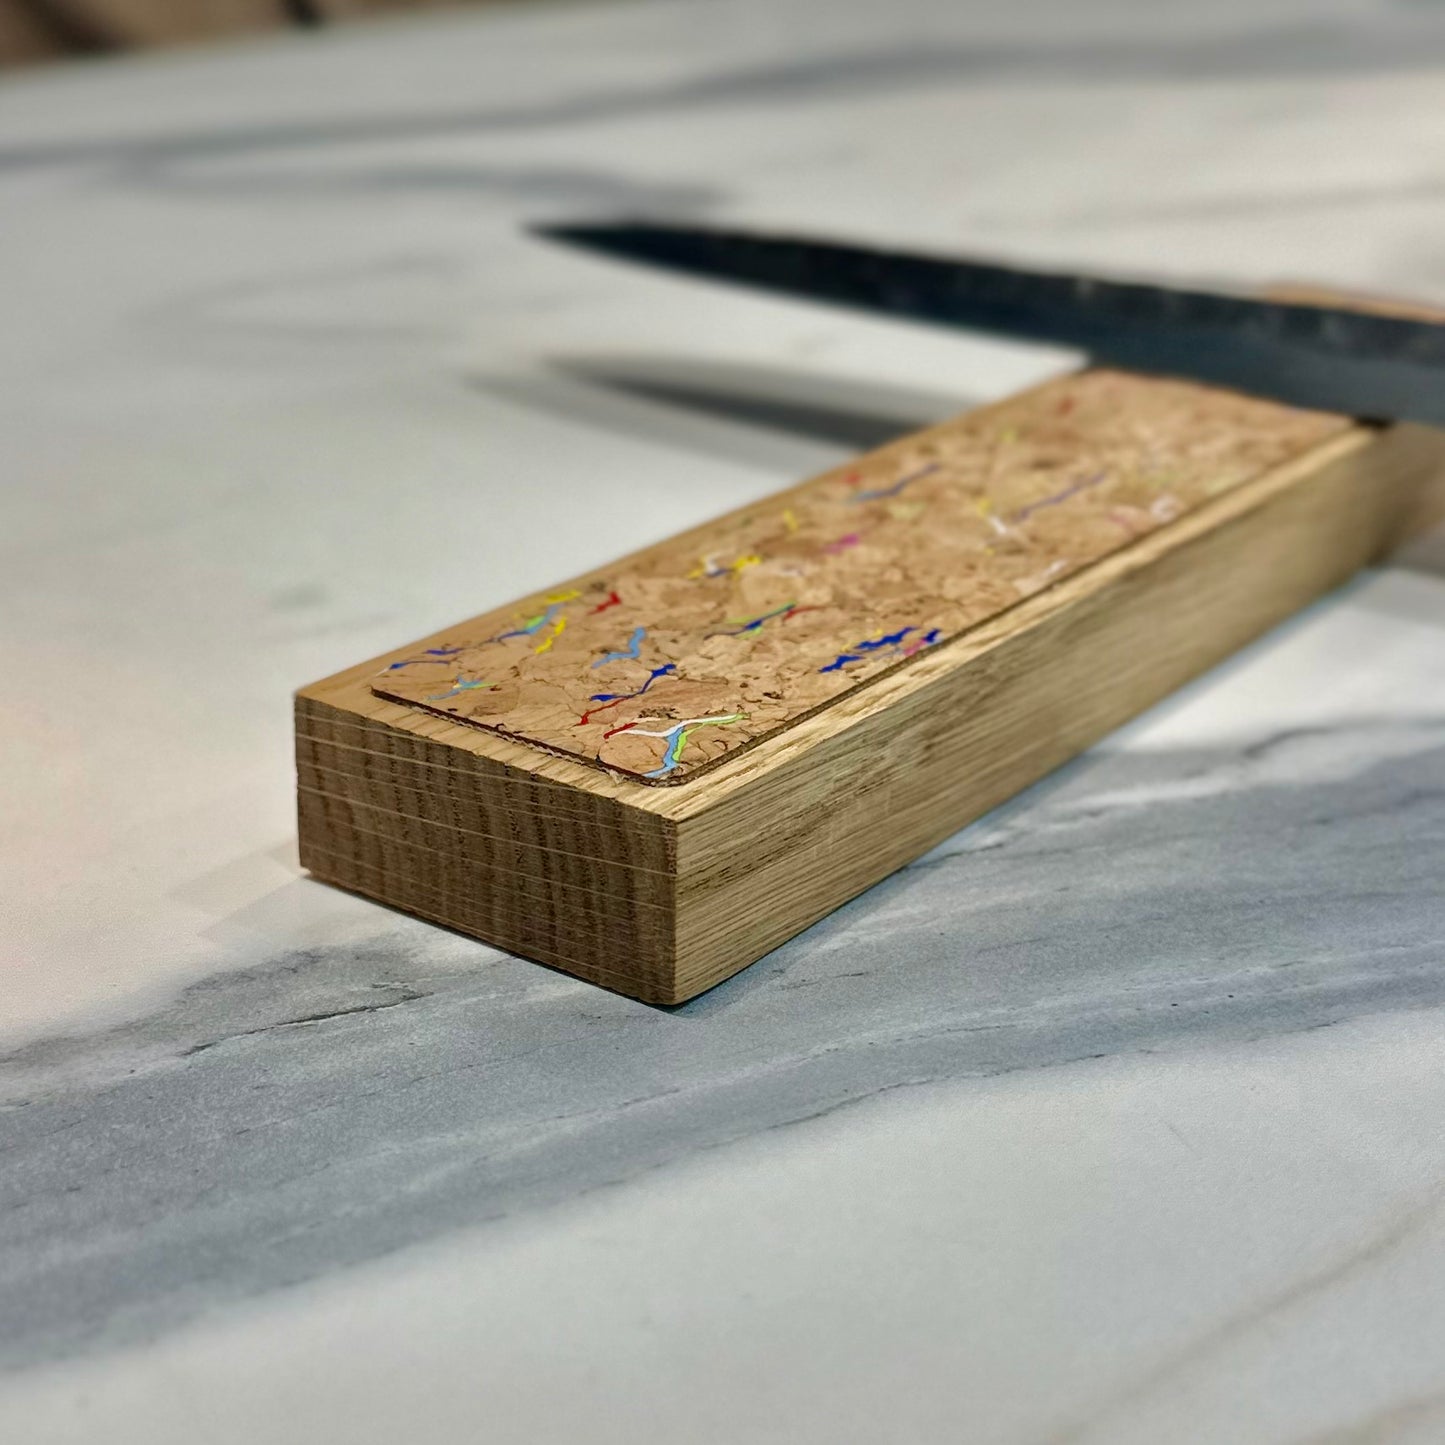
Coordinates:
[1332,358]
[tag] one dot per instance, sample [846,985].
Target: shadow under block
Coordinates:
[799,698]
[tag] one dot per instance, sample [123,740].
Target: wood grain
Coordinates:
[543,841]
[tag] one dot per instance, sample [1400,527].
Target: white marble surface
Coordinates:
[1118,1118]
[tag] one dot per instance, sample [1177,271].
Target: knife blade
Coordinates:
[1331,358]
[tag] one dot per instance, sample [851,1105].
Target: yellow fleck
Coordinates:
[789,520]
[557,627]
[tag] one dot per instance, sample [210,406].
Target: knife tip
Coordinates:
[581,233]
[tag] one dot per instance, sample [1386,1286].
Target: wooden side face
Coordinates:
[907,770]
[555,873]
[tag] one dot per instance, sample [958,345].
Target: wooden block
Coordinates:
[652,774]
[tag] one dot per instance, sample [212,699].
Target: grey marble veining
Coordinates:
[335,1104]
[1305,47]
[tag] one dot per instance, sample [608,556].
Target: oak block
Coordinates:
[653,774]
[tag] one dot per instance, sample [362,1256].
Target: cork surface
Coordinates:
[684,653]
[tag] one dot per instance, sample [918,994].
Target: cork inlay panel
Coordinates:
[695,648]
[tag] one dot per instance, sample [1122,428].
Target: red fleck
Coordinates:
[611,601]
[587,716]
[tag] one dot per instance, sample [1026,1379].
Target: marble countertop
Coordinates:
[1116,1118]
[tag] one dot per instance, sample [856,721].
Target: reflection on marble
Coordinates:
[1114,1119]
[786,401]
